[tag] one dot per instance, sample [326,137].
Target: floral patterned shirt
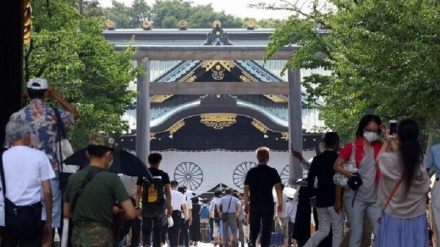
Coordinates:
[44,124]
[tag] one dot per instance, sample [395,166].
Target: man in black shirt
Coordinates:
[153,201]
[259,182]
[323,197]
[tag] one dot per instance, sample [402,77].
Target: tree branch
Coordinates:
[26,60]
[48,9]
[44,67]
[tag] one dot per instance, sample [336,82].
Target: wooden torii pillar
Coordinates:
[166,52]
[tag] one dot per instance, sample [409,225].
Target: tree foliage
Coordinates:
[383,56]
[69,51]
[168,13]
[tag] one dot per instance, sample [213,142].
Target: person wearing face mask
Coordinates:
[363,203]
[91,194]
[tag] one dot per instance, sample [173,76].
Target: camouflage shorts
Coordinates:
[90,234]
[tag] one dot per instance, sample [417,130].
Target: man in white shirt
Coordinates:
[186,219]
[178,203]
[291,214]
[27,171]
[282,218]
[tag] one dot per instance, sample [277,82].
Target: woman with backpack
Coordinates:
[204,222]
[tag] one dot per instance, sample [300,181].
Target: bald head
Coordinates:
[263,154]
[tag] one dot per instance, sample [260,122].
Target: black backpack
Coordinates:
[153,193]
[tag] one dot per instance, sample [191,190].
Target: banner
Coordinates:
[202,170]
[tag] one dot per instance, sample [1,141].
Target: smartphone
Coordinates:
[393,127]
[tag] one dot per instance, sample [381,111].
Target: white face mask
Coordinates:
[321,147]
[371,136]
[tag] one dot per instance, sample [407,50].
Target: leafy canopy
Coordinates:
[168,13]
[383,57]
[69,51]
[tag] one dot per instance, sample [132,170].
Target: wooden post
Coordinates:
[11,66]
[143,113]
[295,123]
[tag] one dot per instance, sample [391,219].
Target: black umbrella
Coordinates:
[123,162]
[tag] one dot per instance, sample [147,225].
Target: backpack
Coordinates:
[152,196]
[204,213]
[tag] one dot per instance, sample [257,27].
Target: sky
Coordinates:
[237,8]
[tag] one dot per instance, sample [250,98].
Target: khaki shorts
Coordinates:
[285,225]
[216,231]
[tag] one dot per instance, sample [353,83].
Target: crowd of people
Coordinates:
[385,193]
[368,188]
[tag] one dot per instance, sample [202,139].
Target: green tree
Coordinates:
[167,14]
[267,23]
[83,67]
[383,56]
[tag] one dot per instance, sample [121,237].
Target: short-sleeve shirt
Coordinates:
[25,168]
[98,197]
[261,180]
[433,159]
[129,183]
[156,172]
[229,202]
[44,125]
[345,153]
[213,203]
[177,200]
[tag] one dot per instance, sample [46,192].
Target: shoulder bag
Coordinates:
[340,179]
[389,198]
[225,216]
[64,151]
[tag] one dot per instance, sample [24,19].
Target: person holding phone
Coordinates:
[362,203]
[403,187]
[393,127]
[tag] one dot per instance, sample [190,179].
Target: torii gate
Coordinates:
[145,88]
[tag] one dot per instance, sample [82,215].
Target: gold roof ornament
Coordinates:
[146,25]
[176,126]
[250,24]
[27,21]
[110,25]
[182,25]
[218,121]
[217,24]
[260,126]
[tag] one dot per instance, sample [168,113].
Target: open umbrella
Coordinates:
[123,162]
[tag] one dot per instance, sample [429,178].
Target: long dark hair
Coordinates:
[410,151]
[365,120]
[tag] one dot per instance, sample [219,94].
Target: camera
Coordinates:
[393,127]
